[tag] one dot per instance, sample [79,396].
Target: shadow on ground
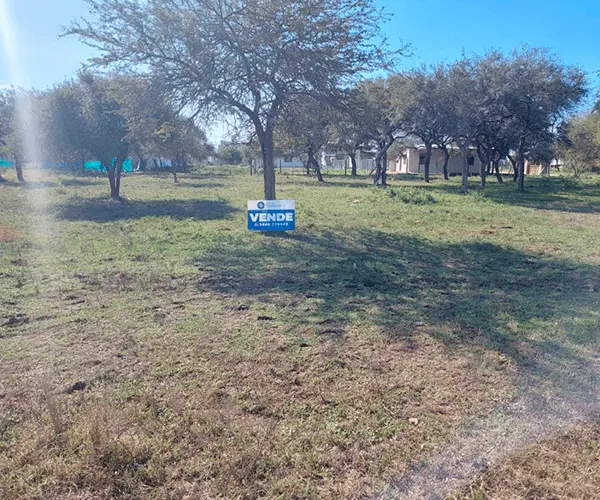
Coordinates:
[201,185]
[471,292]
[82,181]
[545,193]
[106,210]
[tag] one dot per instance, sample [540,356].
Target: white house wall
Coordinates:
[409,163]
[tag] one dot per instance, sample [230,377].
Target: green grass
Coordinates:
[219,362]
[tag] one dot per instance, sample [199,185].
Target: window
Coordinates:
[471,160]
[287,159]
[421,159]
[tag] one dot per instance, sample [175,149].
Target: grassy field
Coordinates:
[157,349]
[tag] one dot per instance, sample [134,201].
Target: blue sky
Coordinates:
[437,31]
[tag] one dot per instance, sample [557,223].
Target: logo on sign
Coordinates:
[272,215]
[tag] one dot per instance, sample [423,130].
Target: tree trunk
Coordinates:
[266,147]
[428,147]
[155,163]
[381,161]
[354,170]
[114,189]
[19,169]
[521,173]
[521,169]
[483,170]
[315,164]
[496,165]
[465,170]
[446,160]
[521,185]
[513,162]
[384,166]
[82,171]
[174,170]
[113,171]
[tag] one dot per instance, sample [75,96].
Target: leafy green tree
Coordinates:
[385,113]
[349,128]
[106,132]
[305,129]
[18,108]
[64,125]
[539,91]
[155,127]
[580,144]
[230,154]
[245,58]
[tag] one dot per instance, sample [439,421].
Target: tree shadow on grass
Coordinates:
[83,181]
[543,193]
[562,194]
[106,210]
[200,185]
[522,305]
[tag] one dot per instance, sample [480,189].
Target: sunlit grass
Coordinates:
[222,362]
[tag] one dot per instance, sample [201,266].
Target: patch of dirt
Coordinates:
[8,234]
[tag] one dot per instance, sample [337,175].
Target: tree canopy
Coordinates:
[245,58]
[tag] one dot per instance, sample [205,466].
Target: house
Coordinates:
[328,160]
[411,160]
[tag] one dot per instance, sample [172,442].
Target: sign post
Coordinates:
[272,215]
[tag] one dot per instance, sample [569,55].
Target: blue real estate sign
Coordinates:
[272,215]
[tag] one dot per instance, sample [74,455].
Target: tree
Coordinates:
[155,128]
[106,133]
[64,125]
[306,127]
[17,135]
[349,128]
[466,109]
[230,154]
[7,123]
[540,90]
[384,117]
[244,58]
[426,114]
[580,144]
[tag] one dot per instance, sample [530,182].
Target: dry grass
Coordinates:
[156,350]
[285,414]
[564,466]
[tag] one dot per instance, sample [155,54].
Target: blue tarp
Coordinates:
[89,165]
